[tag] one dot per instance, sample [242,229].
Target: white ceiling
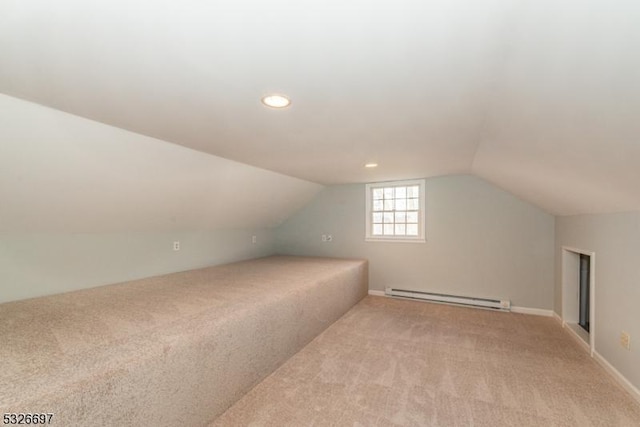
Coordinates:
[540,97]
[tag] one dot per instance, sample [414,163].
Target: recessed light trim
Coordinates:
[276,101]
[371,165]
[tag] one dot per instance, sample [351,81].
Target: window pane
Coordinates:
[395,210]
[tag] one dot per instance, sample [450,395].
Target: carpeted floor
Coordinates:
[402,363]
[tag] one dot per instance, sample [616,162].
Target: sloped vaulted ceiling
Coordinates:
[61,173]
[540,97]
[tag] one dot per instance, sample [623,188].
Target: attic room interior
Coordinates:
[355,213]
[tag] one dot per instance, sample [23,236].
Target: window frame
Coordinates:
[420,238]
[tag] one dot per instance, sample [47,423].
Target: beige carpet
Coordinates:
[402,363]
[172,350]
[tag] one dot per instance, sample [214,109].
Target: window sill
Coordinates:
[379,239]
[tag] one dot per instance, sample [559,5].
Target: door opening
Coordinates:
[578,294]
[585,273]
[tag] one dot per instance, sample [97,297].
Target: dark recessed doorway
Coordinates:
[585,273]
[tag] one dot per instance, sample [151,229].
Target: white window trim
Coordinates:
[420,238]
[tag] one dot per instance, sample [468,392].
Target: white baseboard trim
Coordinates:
[377,293]
[577,337]
[608,367]
[534,311]
[558,318]
[633,390]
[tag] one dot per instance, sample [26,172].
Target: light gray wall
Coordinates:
[33,265]
[615,239]
[481,241]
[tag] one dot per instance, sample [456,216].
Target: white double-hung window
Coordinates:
[395,211]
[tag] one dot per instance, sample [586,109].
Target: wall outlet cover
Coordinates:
[625,340]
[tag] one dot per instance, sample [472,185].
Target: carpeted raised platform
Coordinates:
[171,350]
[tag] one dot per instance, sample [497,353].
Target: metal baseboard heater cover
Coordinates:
[502,305]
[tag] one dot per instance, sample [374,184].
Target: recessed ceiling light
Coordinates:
[276,101]
[371,165]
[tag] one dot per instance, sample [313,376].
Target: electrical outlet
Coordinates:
[176,246]
[625,340]
[254,239]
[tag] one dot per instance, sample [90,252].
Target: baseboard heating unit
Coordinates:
[496,304]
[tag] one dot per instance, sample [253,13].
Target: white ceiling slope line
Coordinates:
[540,97]
[63,173]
